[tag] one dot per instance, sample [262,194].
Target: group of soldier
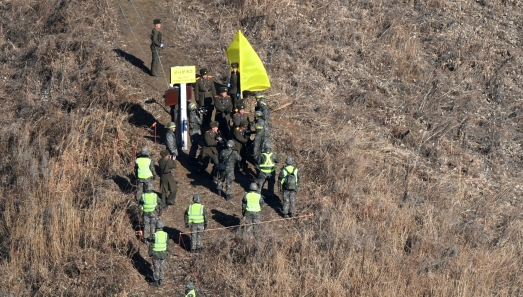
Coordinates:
[229,141]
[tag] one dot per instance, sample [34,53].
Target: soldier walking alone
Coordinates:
[158,250]
[251,208]
[288,183]
[156,46]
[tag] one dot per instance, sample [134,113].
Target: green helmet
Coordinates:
[230,143]
[253,187]
[267,147]
[159,224]
[189,285]
[192,106]
[171,125]
[149,187]
[289,161]
[262,101]
[196,198]
[258,95]
[258,114]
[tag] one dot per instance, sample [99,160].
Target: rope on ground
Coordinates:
[130,28]
[138,15]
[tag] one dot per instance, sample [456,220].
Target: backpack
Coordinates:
[290,180]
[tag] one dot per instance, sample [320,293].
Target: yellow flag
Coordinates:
[253,76]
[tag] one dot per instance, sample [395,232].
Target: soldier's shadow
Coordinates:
[273,202]
[142,266]
[225,220]
[132,59]
[181,239]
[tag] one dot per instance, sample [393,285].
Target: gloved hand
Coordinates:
[161,45]
[228,85]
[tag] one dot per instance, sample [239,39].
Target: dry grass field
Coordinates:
[406,121]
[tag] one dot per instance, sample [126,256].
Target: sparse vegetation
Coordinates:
[408,119]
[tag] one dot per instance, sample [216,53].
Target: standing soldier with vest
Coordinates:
[266,165]
[150,211]
[196,219]
[229,157]
[288,183]
[156,46]
[195,123]
[210,150]
[144,169]
[224,109]
[190,290]
[251,207]
[234,86]
[158,250]
[205,91]
[240,143]
[168,184]
[170,139]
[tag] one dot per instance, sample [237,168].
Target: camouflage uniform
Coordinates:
[289,196]
[265,111]
[143,179]
[229,157]
[223,113]
[197,226]
[156,41]
[262,137]
[167,182]
[195,122]
[251,214]
[170,142]
[205,92]
[158,250]
[150,211]
[266,163]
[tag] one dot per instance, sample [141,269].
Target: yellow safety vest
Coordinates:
[150,200]
[143,167]
[195,214]
[253,202]
[288,170]
[267,166]
[160,241]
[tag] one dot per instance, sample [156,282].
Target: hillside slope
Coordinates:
[406,120]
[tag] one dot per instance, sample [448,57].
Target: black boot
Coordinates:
[154,284]
[229,197]
[219,192]
[160,282]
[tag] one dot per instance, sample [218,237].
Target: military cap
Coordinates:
[223,89]
[234,64]
[241,107]
[214,124]
[157,21]
[244,124]
[164,153]
[203,71]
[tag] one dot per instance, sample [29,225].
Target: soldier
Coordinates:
[156,46]
[150,211]
[251,207]
[196,218]
[234,86]
[229,157]
[144,170]
[170,139]
[241,141]
[288,182]
[210,151]
[195,122]
[158,250]
[261,105]
[262,134]
[224,108]
[266,164]
[190,290]
[168,184]
[240,116]
[205,92]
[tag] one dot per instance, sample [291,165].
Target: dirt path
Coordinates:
[222,213]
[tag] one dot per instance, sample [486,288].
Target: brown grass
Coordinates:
[408,132]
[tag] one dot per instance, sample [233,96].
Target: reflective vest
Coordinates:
[195,214]
[160,241]
[267,166]
[150,200]
[144,170]
[192,293]
[253,202]
[288,170]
